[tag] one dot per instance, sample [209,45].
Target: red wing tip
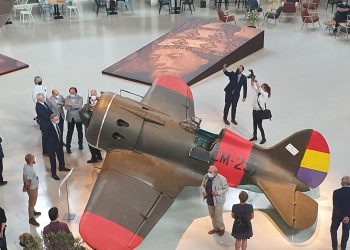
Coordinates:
[174,83]
[103,234]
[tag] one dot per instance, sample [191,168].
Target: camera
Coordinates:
[251,75]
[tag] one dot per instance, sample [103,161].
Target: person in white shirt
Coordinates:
[39,88]
[31,185]
[262,93]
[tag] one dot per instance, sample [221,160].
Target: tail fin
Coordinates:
[306,155]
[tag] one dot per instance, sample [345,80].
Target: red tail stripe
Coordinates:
[317,142]
[175,84]
[103,234]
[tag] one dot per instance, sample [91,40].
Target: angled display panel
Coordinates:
[192,52]
[5,10]
[8,65]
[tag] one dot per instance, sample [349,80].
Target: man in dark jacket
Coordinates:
[2,229]
[341,213]
[55,146]
[43,113]
[233,92]
[2,182]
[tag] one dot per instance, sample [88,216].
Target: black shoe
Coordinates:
[92,161]
[64,169]
[234,122]
[68,150]
[55,177]
[221,232]
[253,139]
[8,22]
[81,147]
[226,122]
[263,141]
[33,222]
[37,213]
[3,183]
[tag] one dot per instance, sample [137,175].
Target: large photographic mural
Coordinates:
[191,52]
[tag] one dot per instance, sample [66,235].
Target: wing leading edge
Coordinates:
[131,194]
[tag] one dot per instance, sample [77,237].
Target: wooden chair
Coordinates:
[309,18]
[312,5]
[225,17]
[289,8]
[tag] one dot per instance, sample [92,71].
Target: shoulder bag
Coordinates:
[263,113]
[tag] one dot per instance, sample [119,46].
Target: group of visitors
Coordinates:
[214,188]
[232,95]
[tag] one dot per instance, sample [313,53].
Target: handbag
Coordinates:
[264,113]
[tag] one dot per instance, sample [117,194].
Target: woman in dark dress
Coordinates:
[242,227]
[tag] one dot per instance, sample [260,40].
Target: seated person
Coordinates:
[343,10]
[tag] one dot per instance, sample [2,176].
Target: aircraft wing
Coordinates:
[171,95]
[131,194]
[297,209]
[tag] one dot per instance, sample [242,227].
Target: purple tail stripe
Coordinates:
[311,177]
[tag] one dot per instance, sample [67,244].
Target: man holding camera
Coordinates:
[233,92]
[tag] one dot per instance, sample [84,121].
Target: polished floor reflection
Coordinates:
[306,69]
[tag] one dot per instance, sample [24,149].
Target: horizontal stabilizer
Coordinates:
[298,210]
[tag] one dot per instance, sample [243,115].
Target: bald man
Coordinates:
[341,213]
[214,189]
[56,103]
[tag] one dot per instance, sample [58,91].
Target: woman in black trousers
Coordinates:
[262,93]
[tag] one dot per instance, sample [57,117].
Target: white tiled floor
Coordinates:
[308,72]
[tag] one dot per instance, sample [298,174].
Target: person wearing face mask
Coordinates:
[43,112]
[343,10]
[55,147]
[233,92]
[262,93]
[214,189]
[95,153]
[56,103]
[39,88]
[341,214]
[73,103]
[31,185]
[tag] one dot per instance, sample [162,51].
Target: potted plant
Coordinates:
[253,17]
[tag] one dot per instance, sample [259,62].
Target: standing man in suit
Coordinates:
[341,213]
[56,103]
[73,103]
[233,92]
[44,113]
[55,146]
[95,153]
[2,182]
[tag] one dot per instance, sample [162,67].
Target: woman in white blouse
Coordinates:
[262,92]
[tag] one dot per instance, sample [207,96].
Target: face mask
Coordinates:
[72,95]
[57,121]
[93,97]
[211,175]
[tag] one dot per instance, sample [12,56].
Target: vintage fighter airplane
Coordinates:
[156,147]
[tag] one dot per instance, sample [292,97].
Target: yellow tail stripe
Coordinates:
[316,160]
